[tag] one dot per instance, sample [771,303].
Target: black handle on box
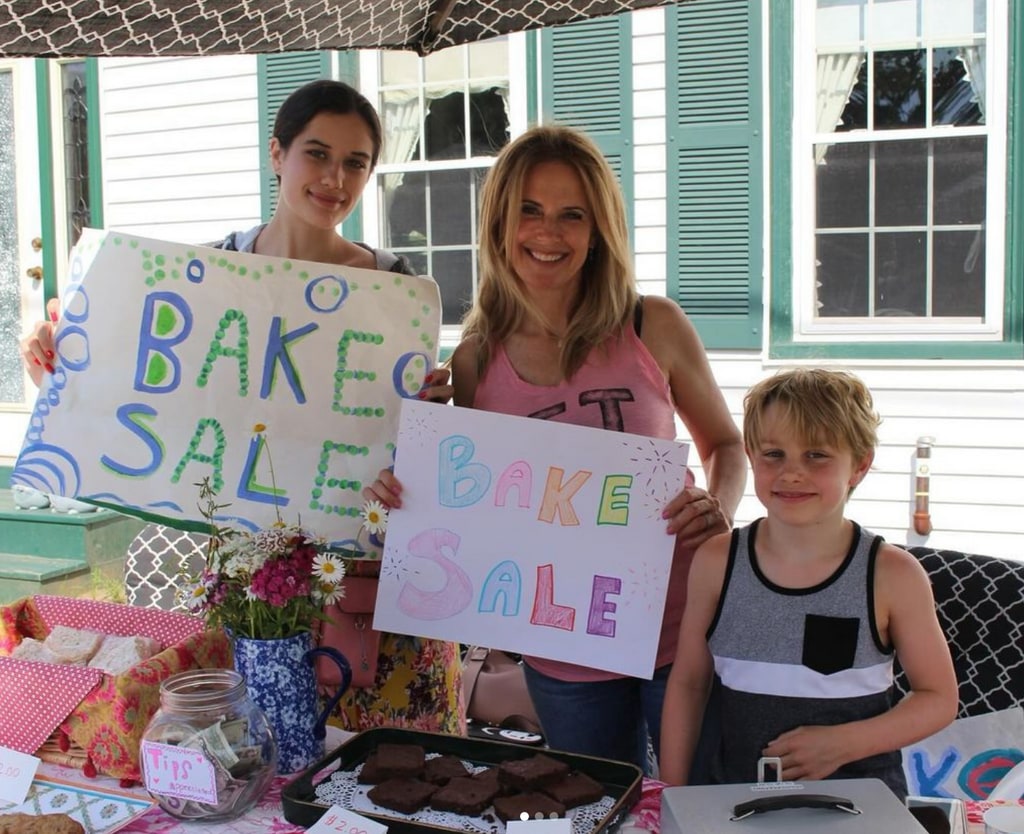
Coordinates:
[781,802]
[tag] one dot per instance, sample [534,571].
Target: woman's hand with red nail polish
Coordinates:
[37,348]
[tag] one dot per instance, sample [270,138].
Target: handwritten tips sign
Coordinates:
[532,536]
[169,355]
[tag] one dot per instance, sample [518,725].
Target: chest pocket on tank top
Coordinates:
[830,643]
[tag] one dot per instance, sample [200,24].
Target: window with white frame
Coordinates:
[900,166]
[445,118]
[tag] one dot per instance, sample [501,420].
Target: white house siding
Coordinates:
[649,205]
[181,146]
[976,415]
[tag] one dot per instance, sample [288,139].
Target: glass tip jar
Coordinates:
[208,753]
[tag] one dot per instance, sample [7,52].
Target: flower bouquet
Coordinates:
[265,585]
[268,590]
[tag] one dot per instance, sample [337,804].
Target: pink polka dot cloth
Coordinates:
[114,618]
[36,697]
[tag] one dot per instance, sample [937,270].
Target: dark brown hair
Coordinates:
[325,96]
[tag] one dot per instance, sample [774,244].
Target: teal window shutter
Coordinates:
[715,169]
[587,82]
[278,75]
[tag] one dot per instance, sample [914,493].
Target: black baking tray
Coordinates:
[622,781]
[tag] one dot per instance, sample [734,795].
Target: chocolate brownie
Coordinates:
[440,769]
[464,795]
[532,804]
[528,774]
[400,759]
[575,789]
[370,773]
[491,777]
[401,794]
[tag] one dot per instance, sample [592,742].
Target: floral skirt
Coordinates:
[418,687]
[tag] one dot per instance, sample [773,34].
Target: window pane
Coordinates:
[842,187]
[894,20]
[450,208]
[399,68]
[951,18]
[406,209]
[445,65]
[489,58]
[420,262]
[900,269]
[12,378]
[488,121]
[453,271]
[954,97]
[960,166]
[76,149]
[901,174]
[444,129]
[842,275]
[959,274]
[899,94]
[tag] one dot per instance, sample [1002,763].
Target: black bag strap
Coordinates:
[638,315]
[472,666]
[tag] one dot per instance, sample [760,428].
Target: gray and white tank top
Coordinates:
[790,657]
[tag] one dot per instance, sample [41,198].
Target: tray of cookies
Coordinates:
[418,782]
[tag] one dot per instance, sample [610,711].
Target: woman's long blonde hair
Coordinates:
[607,293]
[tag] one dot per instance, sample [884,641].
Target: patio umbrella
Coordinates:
[209,27]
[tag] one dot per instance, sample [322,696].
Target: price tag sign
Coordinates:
[17,770]
[561,825]
[340,820]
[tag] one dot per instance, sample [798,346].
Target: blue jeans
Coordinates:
[611,719]
[614,719]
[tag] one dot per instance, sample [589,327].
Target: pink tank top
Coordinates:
[621,389]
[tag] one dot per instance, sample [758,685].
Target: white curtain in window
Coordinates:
[837,74]
[974,60]
[402,118]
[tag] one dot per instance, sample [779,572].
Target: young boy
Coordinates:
[802,613]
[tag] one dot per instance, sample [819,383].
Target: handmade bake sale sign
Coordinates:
[529,535]
[277,380]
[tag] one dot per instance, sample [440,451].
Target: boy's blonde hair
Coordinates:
[834,407]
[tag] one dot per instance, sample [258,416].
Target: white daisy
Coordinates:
[195,597]
[328,568]
[375,517]
[327,593]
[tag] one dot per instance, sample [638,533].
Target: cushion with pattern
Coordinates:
[159,559]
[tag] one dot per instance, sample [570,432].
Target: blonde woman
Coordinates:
[559,332]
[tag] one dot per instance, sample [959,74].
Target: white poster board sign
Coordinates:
[170,356]
[531,536]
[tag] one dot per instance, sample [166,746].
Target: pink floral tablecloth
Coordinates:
[268,817]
